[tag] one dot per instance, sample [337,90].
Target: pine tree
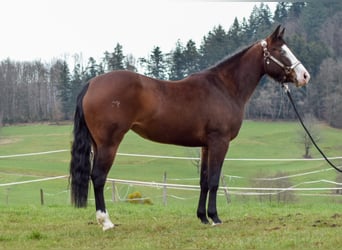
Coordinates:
[214,47]
[191,58]
[234,35]
[93,69]
[176,62]
[117,60]
[130,63]
[260,22]
[156,64]
[281,12]
[76,83]
[65,89]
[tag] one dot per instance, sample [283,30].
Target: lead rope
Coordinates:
[287,91]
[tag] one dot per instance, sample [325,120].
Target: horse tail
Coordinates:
[80,165]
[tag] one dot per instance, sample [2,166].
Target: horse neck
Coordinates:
[242,72]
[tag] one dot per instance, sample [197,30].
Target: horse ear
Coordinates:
[277,33]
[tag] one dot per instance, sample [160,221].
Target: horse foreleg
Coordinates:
[102,164]
[201,210]
[212,210]
[216,158]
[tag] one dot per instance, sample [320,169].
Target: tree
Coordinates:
[214,47]
[155,64]
[130,63]
[234,35]
[76,83]
[115,60]
[65,89]
[259,22]
[281,12]
[311,54]
[93,69]
[296,9]
[329,36]
[191,58]
[3,94]
[265,103]
[303,138]
[312,15]
[329,90]
[177,63]
[54,100]
[10,71]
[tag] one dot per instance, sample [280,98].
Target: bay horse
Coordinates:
[203,110]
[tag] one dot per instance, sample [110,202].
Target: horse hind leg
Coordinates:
[103,161]
[201,210]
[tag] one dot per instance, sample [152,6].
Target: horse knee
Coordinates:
[213,183]
[213,187]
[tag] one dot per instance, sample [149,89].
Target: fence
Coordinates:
[223,190]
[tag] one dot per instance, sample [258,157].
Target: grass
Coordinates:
[245,226]
[310,222]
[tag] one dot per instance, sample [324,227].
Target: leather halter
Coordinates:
[268,57]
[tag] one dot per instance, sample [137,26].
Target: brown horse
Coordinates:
[203,110]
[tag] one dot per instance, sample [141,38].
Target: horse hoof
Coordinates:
[205,221]
[107,226]
[103,219]
[214,224]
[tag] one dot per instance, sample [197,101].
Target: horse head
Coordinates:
[280,62]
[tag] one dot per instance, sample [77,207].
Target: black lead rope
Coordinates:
[287,91]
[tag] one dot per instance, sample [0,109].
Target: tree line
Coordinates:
[36,91]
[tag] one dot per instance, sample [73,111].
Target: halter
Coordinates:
[268,57]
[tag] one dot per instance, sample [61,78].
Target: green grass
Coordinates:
[246,226]
[309,222]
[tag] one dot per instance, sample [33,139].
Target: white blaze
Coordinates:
[302,75]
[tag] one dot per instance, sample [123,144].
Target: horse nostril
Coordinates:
[306,76]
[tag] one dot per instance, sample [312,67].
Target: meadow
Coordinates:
[311,220]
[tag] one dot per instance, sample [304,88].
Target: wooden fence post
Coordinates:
[165,191]
[225,188]
[113,191]
[41,197]
[7,194]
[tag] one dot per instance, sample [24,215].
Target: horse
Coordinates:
[203,110]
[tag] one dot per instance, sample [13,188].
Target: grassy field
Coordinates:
[310,221]
[245,226]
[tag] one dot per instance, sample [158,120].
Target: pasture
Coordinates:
[312,220]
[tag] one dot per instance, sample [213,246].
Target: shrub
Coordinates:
[137,198]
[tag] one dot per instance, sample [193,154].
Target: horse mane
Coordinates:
[231,58]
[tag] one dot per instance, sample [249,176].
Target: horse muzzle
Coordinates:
[301,76]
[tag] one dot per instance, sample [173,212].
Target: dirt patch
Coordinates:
[4,141]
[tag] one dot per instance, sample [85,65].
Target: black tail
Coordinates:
[80,165]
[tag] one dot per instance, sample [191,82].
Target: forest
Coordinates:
[33,91]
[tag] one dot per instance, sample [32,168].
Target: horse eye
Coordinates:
[282,52]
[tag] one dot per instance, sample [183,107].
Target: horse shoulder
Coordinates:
[223,107]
